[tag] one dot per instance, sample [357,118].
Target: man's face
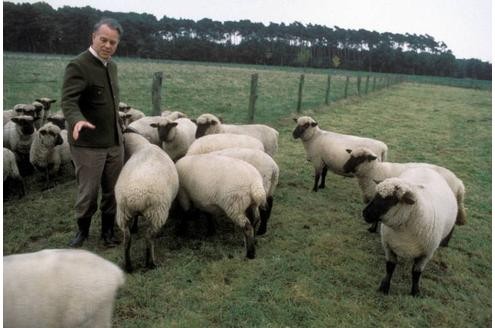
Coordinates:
[105,41]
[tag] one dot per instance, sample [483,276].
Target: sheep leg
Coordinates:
[134,228]
[265,215]
[417,269]
[323,177]
[127,250]
[247,228]
[317,179]
[374,227]
[385,284]
[445,241]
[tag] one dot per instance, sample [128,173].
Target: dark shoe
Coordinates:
[109,239]
[78,240]
[107,234]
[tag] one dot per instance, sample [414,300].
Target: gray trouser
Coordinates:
[95,167]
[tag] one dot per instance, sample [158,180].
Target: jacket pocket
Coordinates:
[97,94]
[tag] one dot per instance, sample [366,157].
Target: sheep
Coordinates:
[210,124]
[49,150]
[146,186]
[58,119]
[129,114]
[13,183]
[221,141]
[327,150]
[269,171]
[59,288]
[16,111]
[418,212]
[173,115]
[18,135]
[176,136]
[143,127]
[222,185]
[47,103]
[364,165]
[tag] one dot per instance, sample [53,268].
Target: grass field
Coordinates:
[317,266]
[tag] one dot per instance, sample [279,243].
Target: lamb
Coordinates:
[129,114]
[173,115]
[147,186]
[269,171]
[221,141]
[418,212]
[176,136]
[18,135]
[222,185]
[59,288]
[364,165]
[12,180]
[327,150]
[210,124]
[16,111]
[58,119]
[49,150]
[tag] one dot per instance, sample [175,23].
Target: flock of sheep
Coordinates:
[206,168]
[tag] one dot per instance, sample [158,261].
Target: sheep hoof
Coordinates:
[128,268]
[384,287]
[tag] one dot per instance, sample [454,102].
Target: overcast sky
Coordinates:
[464,25]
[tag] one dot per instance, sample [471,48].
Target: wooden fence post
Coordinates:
[156,95]
[300,93]
[346,86]
[327,93]
[359,85]
[252,97]
[367,84]
[374,83]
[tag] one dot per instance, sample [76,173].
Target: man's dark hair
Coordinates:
[110,22]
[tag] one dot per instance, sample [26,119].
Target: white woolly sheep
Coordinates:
[269,171]
[18,135]
[364,165]
[418,212]
[13,183]
[49,150]
[144,128]
[129,114]
[210,124]
[47,103]
[147,186]
[213,142]
[173,115]
[221,185]
[176,136]
[58,119]
[59,288]
[327,150]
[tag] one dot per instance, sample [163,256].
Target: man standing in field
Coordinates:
[90,98]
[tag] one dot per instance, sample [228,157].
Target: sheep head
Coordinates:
[305,125]
[357,157]
[207,124]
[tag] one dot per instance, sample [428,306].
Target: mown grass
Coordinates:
[317,266]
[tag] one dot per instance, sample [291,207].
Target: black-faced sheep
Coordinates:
[221,185]
[59,288]
[363,163]
[146,187]
[418,212]
[210,124]
[176,136]
[327,150]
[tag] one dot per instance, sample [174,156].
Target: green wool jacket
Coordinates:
[90,93]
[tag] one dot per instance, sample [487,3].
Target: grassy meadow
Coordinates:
[317,266]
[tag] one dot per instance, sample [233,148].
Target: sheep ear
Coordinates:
[153,125]
[313,124]
[377,181]
[52,101]
[172,124]
[408,198]
[220,119]
[43,132]
[295,119]
[371,158]
[193,120]
[349,150]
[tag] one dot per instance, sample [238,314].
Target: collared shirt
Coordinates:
[94,53]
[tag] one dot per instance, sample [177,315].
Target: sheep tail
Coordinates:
[258,195]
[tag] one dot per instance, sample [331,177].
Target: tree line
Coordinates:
[39,28]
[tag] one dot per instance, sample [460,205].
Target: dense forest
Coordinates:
[39,28]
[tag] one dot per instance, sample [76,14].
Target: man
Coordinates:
[90,100]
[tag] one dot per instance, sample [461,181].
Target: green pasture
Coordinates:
[317,266]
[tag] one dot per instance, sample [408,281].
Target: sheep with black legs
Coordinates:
[13,184]
[59,288]
[176,136]
[269,171]
[213,142]
[146,187]
[327,150]
[418,213]
[363,163]
[221,185]
[210,124]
